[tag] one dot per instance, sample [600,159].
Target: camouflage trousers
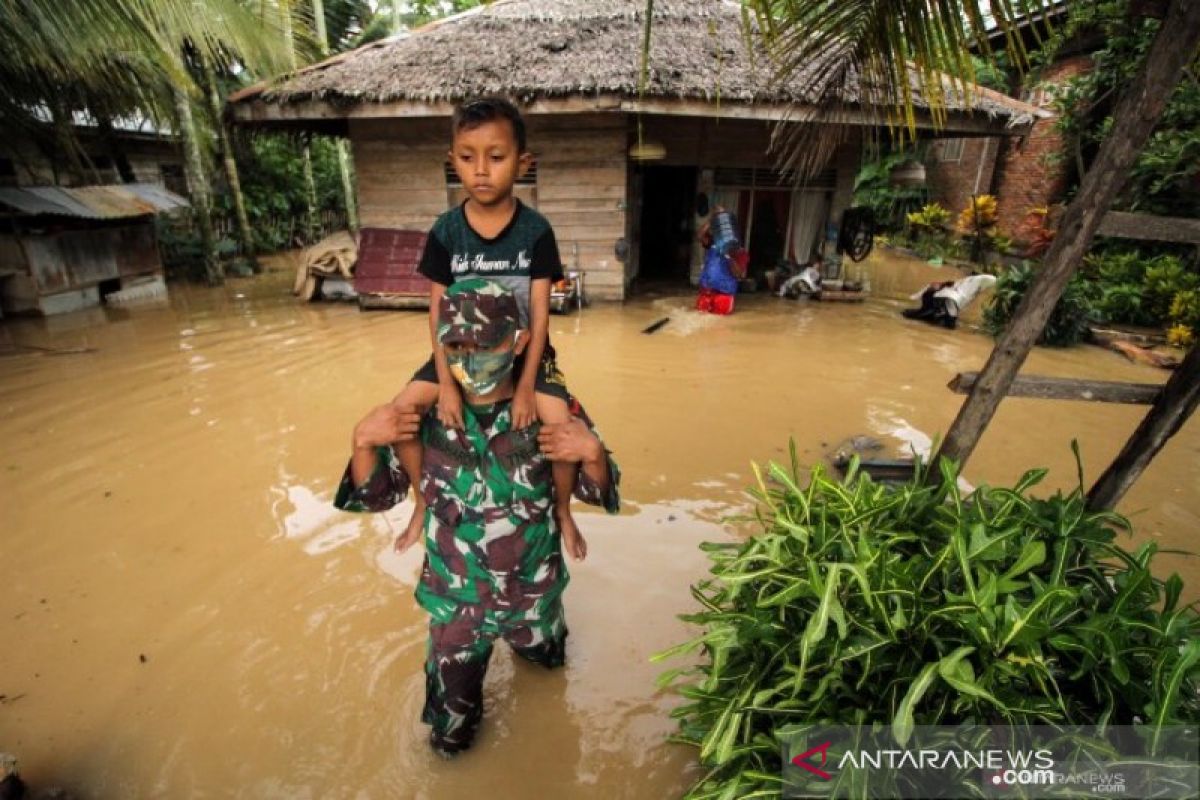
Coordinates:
[457,658]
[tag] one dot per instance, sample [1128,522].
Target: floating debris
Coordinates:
[655,326]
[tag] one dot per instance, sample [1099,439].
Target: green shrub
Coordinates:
[1137,289]
[861,603]
[932,218]
[1128,266]
[1165,278]
[180,246]
[1122,302]
[1068,323]
[1185,319]
[1185,308]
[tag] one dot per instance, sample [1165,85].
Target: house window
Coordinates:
[8,172]
[103,167]
[172,178]
[951,150]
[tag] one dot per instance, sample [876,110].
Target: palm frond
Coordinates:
[121,57]
[875,58]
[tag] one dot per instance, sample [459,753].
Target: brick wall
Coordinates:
[1025,175]
[1017,170]
[955,167]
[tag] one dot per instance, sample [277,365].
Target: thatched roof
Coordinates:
[541,49]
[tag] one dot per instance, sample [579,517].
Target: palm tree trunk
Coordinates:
[311,223]
[1134,119]
[345,167]
[343,153]
[310,185]
[193,169]
[245,234]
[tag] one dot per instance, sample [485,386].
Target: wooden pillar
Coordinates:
[1172,408]
[1139,108]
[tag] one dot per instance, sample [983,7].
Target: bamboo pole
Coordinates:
[1174,405]
[1139,108]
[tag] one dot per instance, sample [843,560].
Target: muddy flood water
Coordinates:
[184,615]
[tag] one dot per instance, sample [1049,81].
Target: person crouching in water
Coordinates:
[493,561]
[808,282]
[941,303]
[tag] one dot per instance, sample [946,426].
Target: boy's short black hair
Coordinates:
[473,113]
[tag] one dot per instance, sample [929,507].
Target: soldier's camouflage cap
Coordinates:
[477,311]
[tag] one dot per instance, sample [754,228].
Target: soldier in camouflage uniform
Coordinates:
[493,565]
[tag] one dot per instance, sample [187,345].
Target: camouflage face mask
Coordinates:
[480,373]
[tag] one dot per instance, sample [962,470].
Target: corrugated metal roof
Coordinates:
[116,201]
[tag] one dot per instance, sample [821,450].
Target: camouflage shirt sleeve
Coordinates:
[386,487]
[590,492]
[586,489]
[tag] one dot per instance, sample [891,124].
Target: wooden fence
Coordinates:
[287,229]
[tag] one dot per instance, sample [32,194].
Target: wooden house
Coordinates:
[63,249]
[621,172]
[132,151]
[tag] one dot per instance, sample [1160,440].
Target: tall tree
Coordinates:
[229,164]
[343,155]
[198,186]
[310,184]
[882,44]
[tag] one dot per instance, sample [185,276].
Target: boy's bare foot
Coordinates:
[412,533]
[573,543]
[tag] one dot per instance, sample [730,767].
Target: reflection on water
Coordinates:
[187,616]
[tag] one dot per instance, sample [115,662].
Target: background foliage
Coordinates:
[1165,177]
[1068,323]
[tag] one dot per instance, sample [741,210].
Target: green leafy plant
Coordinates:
[1165,278]
[273,186]
[890,203]
[1122,302]
[1185,318]
[856,603]
[1068,323]
[932,218]
[1121,266]
[1138,289]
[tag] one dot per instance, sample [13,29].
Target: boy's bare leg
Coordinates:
[421,396]
[551,409]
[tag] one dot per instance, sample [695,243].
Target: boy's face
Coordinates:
[487,161]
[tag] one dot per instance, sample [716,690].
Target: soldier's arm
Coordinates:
[598,478]
[374,479]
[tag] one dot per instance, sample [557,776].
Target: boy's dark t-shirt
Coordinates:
[525,250]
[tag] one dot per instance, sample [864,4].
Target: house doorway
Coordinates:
[667,224]
[768,223]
